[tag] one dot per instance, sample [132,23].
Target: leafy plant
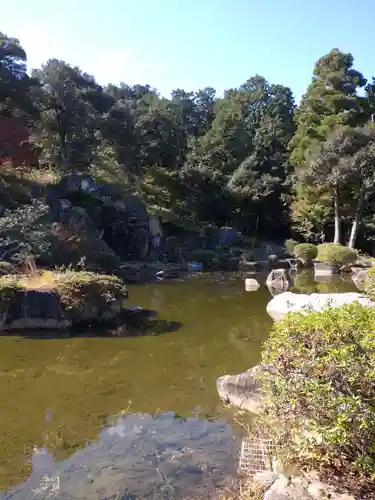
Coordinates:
[306,252]
[336,254]
[320,407]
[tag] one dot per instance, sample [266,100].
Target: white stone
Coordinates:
[251,285]
[287,302]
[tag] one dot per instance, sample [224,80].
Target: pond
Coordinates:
[86,405]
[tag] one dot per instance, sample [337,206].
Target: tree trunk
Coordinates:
[336,204]
[357,219]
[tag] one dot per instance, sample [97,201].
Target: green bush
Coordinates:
[370,282]
[306,252]
[320,404]
[336,254]
[208,258]
[88,289]
[290,244]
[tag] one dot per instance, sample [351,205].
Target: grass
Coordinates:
[77,289]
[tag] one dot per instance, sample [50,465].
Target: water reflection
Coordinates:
[307,282]
[140,457]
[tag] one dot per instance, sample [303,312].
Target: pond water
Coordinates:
[63,396]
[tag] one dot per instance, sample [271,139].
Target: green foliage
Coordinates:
[29,229]
[249,159]
[87,289]
[320,407]
[336,254]
[330,100]
[307,252]
[290,244]
[208,258]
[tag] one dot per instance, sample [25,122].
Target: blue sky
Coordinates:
[191,44]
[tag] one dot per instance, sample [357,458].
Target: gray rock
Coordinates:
[80,206]
[34,309]
[287,302]
[244,391]
[302,488]
[277,281]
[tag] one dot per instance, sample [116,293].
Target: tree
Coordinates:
[15,83]
[70,104]
[345,161]
[331,101]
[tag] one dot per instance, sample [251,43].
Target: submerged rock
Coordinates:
[287,302]
[140,457]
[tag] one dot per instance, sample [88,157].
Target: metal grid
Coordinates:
[257,455]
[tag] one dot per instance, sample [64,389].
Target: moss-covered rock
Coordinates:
[56,299]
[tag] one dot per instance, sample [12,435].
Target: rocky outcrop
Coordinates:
[99,213]
[33,309]
[287,302]
[244,391]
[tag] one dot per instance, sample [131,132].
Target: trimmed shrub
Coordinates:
[320,404]
[306,252]
[336,254]
[290,244]
[79,289]
[208,258]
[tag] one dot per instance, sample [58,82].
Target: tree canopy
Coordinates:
[249,158]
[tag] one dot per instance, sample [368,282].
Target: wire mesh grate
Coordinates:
[257,455]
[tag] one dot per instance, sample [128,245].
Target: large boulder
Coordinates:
[34,309]
[244,391]
[288,302]
[80,206]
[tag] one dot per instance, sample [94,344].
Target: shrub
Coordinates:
[306,252]
[336,254]
[205,256]
[320,404]
[78,289]
[290,244]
